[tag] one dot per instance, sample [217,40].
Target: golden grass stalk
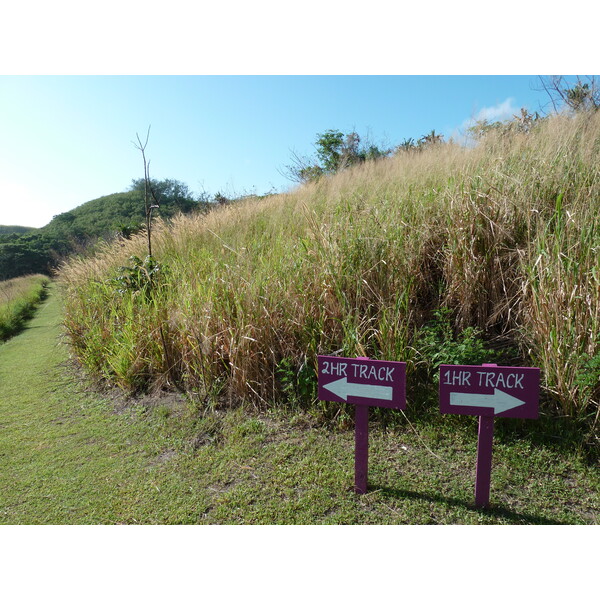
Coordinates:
[503,234]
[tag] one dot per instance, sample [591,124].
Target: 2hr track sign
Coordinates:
[362,381]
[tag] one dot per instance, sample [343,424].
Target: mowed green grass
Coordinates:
[71,456]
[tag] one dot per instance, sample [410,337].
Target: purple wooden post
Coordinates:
[484,461]
[361,449]
[488,391]
[362,382]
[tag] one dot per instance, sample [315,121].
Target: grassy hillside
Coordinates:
[446,255]
[109,214]
[26,250]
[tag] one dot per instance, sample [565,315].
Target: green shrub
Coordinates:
[588,378]
[299,384]
[438,344]
[142,276]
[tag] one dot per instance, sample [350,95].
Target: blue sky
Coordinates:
[65,140]
[247,84]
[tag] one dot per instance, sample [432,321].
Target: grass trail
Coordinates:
[70,456]
[66,457]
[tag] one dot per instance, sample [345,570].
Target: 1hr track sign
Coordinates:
[489,390]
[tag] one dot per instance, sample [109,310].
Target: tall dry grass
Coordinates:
[18,299]
[504,235]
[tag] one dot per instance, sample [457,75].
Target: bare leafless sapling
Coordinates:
[150,200]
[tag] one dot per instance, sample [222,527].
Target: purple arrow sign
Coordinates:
[365,383]
[489,390]
[362,381]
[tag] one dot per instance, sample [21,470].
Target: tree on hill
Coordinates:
[407,145]
[41,250]
[431,139]
[581,95]
[168,191]
[335,151]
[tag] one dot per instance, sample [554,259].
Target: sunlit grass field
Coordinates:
[18,299]
[76,456]
[488,254]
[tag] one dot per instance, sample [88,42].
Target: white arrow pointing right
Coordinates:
[500,401]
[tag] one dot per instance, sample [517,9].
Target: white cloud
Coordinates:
[498,112]
[501,111]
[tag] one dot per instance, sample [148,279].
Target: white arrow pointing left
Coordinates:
[343,389]
[500,401]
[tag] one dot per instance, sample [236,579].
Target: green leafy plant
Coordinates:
[298,384]
[141,276]
[438,344]
[588,378]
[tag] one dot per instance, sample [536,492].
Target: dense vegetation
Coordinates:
[18,300]
[81,457]
[436,254]
[26,250]
[8,229]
